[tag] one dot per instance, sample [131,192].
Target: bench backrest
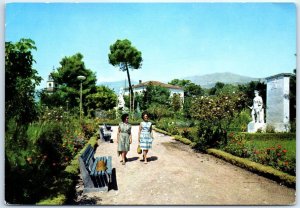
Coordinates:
[88,157]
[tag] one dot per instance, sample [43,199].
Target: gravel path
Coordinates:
[175,175]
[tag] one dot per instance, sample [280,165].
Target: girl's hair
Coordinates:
[124,116]
[145,113]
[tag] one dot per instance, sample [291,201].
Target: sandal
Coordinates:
[123,163]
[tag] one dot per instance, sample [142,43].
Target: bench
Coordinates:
[105,132]
[94,180]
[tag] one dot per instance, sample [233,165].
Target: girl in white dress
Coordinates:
[145,135]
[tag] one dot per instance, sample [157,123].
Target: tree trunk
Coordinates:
[129,82]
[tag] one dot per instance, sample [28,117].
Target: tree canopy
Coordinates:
[124,55]
[69,85]
[20,81]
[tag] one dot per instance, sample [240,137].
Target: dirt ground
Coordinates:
[175,175]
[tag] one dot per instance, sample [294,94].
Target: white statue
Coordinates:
[121,102]
[257,112]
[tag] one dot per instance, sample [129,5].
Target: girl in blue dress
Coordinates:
[145,135]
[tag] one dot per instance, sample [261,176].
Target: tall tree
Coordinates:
[20,81]
[124,55]
[69,85]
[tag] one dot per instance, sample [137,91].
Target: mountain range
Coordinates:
[209,80]
[205,81]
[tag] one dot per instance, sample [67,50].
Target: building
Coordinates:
[51,85]
[139,88]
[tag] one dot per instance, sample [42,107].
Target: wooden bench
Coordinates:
[105,132]
[93,180]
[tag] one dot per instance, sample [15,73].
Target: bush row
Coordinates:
[266,171]
[64,189]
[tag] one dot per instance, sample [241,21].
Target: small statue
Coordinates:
[121,102]
[257,112]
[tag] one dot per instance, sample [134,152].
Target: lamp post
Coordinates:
[81,78]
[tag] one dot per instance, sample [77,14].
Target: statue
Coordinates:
[257,112]
[121,102]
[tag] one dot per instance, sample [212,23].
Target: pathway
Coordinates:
[175,175]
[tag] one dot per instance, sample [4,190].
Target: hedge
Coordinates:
[260,169]
[67,183]
[267,136]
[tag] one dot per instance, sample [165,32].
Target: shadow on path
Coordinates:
[113,185]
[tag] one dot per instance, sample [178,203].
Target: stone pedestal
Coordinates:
[278,102]
[253,127]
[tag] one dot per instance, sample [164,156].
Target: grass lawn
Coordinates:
[289,145]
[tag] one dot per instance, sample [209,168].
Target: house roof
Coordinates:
[155,83]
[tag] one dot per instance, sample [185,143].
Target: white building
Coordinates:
[139,88]
[51,85]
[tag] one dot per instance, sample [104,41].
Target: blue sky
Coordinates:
[176,39]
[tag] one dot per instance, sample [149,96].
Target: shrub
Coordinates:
[237,145]
[259,148]
[270,129]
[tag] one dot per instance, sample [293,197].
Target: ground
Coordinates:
[176,175]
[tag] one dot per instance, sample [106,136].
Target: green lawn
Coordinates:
[288,144]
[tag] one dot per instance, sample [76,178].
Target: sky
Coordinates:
[177,40]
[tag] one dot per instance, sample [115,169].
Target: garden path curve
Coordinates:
[175,175]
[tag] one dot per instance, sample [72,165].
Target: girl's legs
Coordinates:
[145,156]
[123,157]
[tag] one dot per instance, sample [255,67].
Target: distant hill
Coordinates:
[209,80]
[205,81]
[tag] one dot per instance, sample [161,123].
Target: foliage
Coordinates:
[124,55]
[214,114]
[104,98]
[262,151]
[249,88]
[61,191]
[293,106]
[215,109]
[155,95]
[20,81]
[240,121]
[69,85]
[237,145]
[176,103]
[158,111]
[45,148]
[190,88]
[267,171]
[218,86]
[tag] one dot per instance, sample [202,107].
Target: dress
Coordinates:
[145,136]
[124,141]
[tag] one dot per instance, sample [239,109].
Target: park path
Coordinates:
[175,175]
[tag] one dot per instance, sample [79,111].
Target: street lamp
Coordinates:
[81,78]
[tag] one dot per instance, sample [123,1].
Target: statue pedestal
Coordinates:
[253,127]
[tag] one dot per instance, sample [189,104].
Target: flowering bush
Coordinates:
[275,156]
[214,114]
[238,145]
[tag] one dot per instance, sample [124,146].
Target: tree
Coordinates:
[190,89]
[20,81]
[124,55]
[155,95]
[293,97]
[69,84]
[176,102]
[103,99]
[218,86]
[249,88]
